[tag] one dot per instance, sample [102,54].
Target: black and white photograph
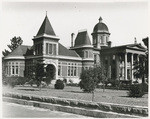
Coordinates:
[74,58]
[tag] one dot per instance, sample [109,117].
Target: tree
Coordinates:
[141,67]
[92,77]
[5,52]
[39,73]
[15,42]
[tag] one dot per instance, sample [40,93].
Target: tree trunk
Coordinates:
[92,96]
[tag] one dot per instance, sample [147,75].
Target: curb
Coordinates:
[69,109]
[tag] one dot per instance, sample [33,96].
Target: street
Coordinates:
[22,111]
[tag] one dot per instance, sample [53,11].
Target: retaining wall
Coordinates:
[66,104]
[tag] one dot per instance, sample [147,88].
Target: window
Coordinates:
[17,68]
[50,49]
[75,70]
[38,49]
[9,69]
[95,59]
[128,73]
[102,40]
[59,70]
[12,68]
[6,70]
[94,41]
[106,38]
[68,69]
[54,49]
[72,69]
[86,54]
[46,48]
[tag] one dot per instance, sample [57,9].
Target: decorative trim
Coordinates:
[84,46]
[14,57]
[45,35]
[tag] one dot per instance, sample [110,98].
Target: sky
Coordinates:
[125,20]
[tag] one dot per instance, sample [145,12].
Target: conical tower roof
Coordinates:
[46,28]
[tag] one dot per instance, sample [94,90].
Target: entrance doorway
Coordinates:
[51,73]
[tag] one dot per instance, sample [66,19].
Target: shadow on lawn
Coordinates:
[29,89]
[76,91]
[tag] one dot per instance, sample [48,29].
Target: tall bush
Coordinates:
[91,78]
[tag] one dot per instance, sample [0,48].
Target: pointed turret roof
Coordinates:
[46,28]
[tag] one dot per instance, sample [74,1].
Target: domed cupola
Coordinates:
[100,34]
[100,27]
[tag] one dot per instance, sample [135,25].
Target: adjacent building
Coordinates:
[69,63]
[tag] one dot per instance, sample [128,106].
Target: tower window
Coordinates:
[46,48]
[106,39]
[102,39]
[86,54]
[38,49]
[50,49]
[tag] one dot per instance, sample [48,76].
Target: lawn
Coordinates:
[109,96]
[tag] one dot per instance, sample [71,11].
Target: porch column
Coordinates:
[125,66]
[137,57]
[132,66]
[117,66]
[109,66]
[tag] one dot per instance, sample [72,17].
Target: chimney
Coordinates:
[135,41]
[72,38]
[109,44]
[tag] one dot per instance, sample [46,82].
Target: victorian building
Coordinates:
[69,63]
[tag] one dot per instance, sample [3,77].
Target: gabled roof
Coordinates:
[139,46]
[19,51]
[121,48]
[66,52]
[82,39]
[46,28]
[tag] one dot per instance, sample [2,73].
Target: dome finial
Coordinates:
[100,19]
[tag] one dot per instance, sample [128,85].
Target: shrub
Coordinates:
[10,81]
[136,90]
[13,81]
[59,84]
[65,80]
[145,87]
